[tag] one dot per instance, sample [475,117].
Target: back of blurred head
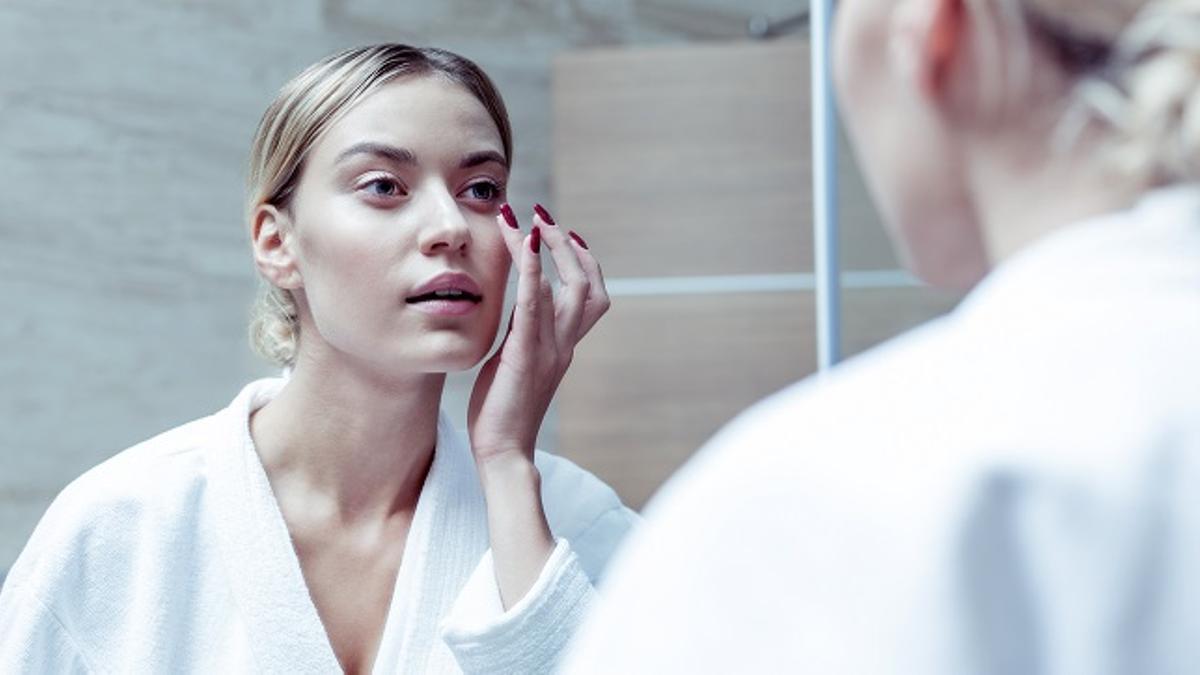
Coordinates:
[983,124]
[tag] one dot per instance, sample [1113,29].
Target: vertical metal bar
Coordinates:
[826,266]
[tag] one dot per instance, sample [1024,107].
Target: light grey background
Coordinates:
[125,276]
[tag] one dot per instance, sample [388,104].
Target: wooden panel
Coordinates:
[871,316]
[659,375]
[685,160]
[125,269]
[696,161]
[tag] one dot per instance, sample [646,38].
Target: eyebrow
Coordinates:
[481,157]
[406,156]
[398,155]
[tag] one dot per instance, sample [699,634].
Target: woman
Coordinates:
[1011,488]
[334,520]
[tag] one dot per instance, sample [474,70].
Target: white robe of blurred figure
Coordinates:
[1013,488]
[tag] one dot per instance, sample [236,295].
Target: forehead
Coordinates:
[425,112]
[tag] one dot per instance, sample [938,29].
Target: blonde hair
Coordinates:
[304,108]
[1136,68]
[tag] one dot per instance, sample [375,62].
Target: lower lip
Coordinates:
[445,307]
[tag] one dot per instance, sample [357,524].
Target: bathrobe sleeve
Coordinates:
[532,635]
[32,640]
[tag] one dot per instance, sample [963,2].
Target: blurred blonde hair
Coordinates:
[304,108]
[1136,68]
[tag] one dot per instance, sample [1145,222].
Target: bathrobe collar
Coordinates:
[1144,248]
[447,537]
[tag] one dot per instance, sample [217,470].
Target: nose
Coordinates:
[445,229]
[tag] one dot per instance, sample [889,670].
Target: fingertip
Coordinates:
[578,239]
[531,259]
[508,217]
[543,214]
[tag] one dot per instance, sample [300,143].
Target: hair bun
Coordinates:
[274,334]
[1156,66]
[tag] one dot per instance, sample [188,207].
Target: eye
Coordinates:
[382,187]
[484,190]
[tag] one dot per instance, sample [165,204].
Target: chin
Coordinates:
[958,278]
[453,358]
[940,244]
[426,364]
[948,268]
[456,364]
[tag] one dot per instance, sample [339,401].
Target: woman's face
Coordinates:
[908,152]
[396,207]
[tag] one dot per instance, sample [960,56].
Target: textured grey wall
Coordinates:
[125,277]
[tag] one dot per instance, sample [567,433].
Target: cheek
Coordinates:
[493,260]
[493,266]
[857,53]
[914,169]
[341,239]
[901,144]
[499,286]
[865,101]
[346,276]
[336,262]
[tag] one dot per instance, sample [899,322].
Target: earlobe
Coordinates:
[271,237]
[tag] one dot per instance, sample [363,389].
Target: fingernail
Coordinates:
[541,211]
[578,239]
[509,216]
[535,240]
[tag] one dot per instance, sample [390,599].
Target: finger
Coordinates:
[512,315]
[547,332]
[529,277]
[510,230]
[573,293]
[597,302]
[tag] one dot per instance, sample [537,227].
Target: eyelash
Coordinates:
[497,188]
[381,181]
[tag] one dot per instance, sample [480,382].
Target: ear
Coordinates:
[271,236]
[930,38]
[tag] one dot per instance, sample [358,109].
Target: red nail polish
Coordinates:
[578,239]
[541,211]
[535,240]
[509,216]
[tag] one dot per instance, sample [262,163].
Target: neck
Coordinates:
[348,444]
[1022,196]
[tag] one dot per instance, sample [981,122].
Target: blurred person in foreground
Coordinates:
[1015,487]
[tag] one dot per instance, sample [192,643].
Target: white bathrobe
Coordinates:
[1014,488]
[173,556]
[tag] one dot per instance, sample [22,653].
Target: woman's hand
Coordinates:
[516,384]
